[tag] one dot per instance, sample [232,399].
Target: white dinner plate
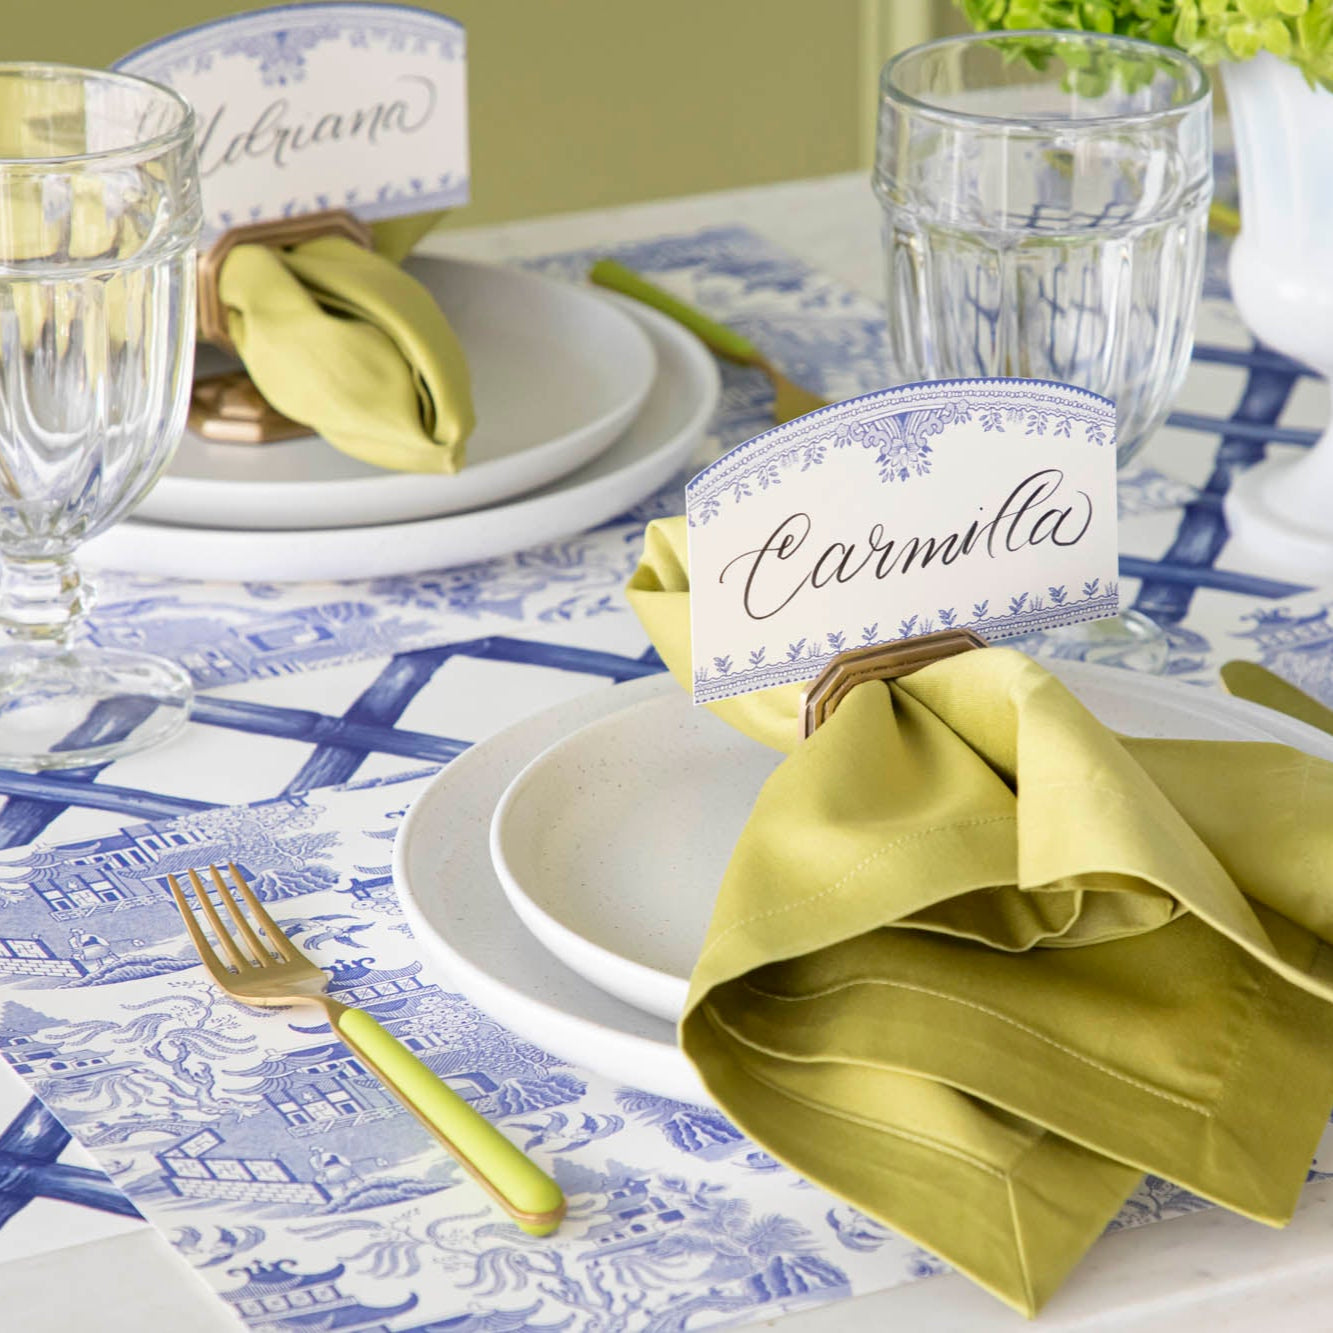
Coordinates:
[557,371]
[459,913]
[661,440]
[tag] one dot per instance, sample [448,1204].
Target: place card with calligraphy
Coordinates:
[981,504]
[309,107]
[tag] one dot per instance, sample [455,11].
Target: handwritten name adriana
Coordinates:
[276,134]
[791,561]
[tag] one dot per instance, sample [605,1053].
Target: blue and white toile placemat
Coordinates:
[300,1193]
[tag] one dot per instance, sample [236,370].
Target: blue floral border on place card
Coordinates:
[1027,613]
[900,435]
[280,37]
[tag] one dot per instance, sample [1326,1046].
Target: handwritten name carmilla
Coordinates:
[788,565]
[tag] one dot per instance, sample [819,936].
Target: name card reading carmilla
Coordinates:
[307,107]
[981,504]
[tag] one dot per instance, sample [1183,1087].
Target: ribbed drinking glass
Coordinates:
[1045,204]
[99,215]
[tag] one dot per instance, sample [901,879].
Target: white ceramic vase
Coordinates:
[1282,282]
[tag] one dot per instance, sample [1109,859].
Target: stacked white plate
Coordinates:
[562,873]
[586,404]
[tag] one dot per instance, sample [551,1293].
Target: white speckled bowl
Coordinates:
[587,844]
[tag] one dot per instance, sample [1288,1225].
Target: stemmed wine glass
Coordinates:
[1045,204]
[99,215]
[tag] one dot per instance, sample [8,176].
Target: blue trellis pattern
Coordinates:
[30,1168]
[679,1221]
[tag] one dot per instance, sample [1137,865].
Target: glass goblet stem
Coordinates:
[42,600]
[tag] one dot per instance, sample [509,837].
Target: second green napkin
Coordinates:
[342,340]
[977,963]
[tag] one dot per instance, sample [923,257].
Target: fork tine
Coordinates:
[204,949]
[224,936]
[277,940]
[258,948]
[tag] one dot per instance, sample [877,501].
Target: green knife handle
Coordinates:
[516,1182]
[722,340]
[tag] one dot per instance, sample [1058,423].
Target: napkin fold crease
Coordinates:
[978,963]
[341,339]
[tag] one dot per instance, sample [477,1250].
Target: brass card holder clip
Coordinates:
[228,407]
[881,661]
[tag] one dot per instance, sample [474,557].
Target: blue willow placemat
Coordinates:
[298,1190]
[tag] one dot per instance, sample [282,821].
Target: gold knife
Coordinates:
[1249,680]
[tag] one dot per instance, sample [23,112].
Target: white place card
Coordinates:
[307,107]
[981,504]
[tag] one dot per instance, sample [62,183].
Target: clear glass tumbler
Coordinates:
[99,215]
[1045,204]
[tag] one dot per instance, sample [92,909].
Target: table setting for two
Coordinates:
[915,900]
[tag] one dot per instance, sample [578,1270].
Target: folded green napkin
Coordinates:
[977,963]
[342,340]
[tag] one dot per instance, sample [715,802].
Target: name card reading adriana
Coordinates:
[981,504]
[308,107]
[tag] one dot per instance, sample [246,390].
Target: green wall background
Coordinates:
[589,103]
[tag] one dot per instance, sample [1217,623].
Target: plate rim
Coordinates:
[264,554]
[199,491]
[680,1080]
[584,1041]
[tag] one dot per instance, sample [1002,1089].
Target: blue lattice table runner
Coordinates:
[284,1175]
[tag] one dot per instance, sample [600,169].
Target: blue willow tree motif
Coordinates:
[693,1250]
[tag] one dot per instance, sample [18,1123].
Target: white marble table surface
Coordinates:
[1207,1271]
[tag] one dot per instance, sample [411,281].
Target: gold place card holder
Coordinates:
[880,661]
[228,407]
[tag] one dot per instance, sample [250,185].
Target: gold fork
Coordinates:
[272,971]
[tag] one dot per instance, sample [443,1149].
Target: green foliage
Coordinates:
[1298,31]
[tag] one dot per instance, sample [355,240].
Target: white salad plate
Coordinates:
[661,440]
[558,372]
[556,989]
[610,844]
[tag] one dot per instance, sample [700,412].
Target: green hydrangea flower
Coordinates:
[1298,31]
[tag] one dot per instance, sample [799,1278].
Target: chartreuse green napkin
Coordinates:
[340,339]
[978,963]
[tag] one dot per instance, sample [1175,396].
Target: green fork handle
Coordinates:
[720,339]
[512,1179]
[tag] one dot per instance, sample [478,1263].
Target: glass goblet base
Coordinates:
[72,707]
[1130,641]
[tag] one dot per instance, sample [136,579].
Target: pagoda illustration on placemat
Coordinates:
[274,1299]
